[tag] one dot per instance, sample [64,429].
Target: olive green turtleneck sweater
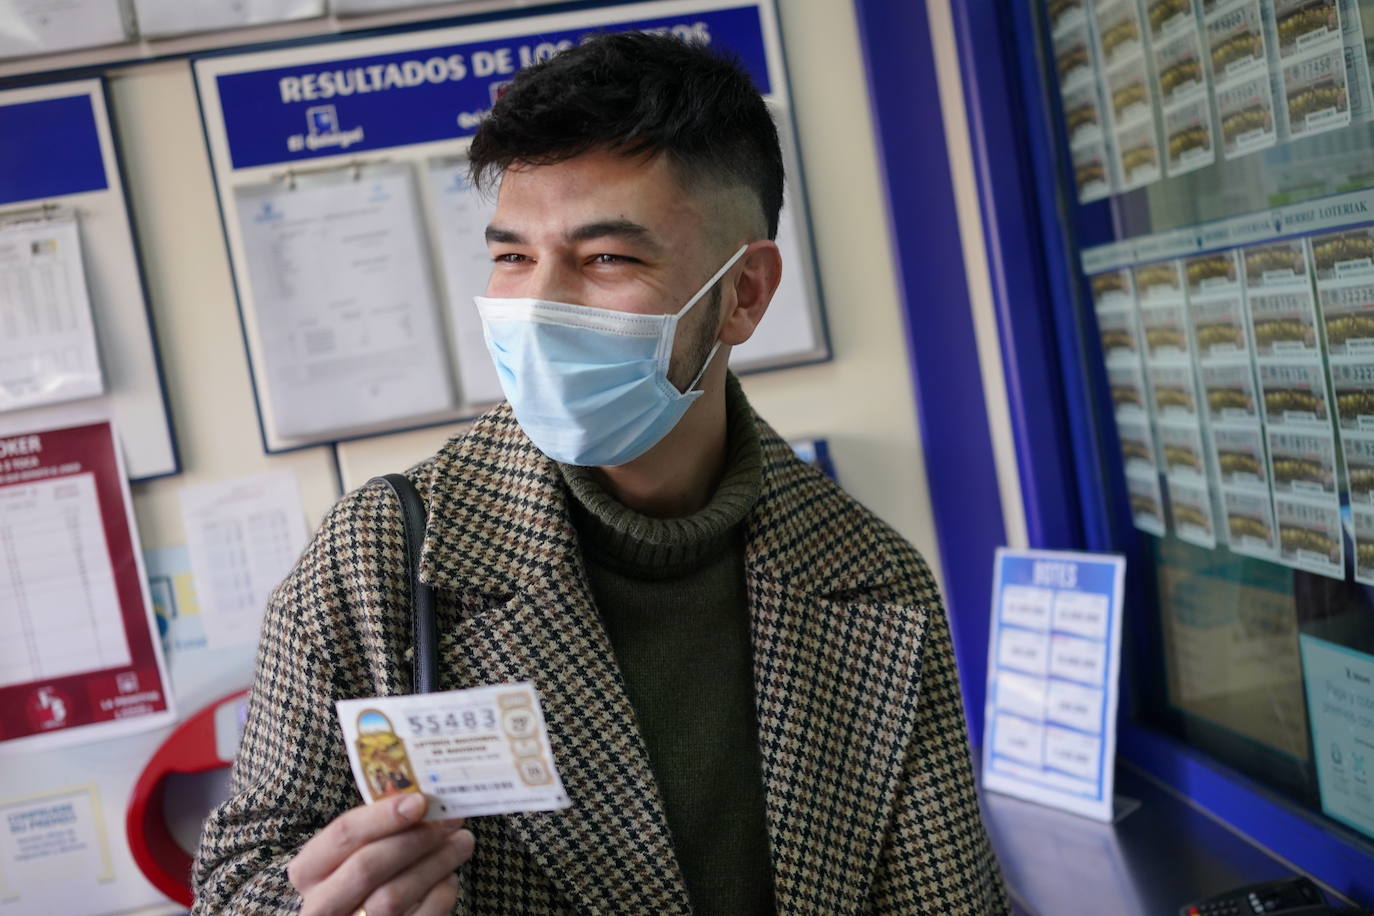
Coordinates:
[672,595]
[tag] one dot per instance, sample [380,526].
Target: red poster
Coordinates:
[80,657]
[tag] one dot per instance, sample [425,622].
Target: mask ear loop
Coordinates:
[712,282]
[709,356]
[715,278]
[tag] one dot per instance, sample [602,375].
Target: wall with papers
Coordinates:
[228,479]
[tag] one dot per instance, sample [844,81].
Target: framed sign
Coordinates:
[377,128]
[60,171]
[1054,659]
[83,660]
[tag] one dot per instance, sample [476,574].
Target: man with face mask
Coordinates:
[747,678]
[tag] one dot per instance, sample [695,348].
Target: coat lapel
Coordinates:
[501,545]
[835,672]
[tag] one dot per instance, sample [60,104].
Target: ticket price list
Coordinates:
[348,319]
[56,584]
[1114,302]
[48,348]
[80,658]
[1049,699]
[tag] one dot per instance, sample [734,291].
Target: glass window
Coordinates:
[1218,163]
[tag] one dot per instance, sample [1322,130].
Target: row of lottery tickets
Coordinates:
[1240,74]
[1244,379]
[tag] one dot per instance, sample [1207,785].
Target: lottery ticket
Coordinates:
[471,752]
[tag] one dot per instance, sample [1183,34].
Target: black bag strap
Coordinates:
[424,634]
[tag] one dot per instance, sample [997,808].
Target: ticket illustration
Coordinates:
[471,752]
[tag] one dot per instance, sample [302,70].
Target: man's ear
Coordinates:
[760,272]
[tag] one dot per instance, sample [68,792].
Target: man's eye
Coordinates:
[613,259]
[509,257]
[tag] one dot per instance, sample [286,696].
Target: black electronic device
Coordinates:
[1285,897]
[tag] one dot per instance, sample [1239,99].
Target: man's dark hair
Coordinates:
[639,95]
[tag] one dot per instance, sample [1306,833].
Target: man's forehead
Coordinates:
[599,193]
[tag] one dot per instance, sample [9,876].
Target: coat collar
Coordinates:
[821,573]
[499,520]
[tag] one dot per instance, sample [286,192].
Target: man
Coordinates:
[747,678]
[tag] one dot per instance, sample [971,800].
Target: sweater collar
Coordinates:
[499,520]
[643,546]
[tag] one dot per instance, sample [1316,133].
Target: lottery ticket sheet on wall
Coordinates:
[1214,178]
[1154,89]
[1242,380]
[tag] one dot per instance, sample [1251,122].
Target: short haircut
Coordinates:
[638,94]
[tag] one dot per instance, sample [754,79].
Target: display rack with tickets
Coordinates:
[1246,281]
[1177,198]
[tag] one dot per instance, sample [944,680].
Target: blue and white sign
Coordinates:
[1340,708]
[50,147]
[1054,652]
[432,89]
[1337,211]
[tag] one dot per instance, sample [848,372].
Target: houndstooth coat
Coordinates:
[870,802]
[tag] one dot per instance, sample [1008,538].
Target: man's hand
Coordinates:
[382,859]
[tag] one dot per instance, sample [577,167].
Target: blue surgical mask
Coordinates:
[589,386]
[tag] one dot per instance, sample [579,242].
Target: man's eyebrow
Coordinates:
[606,228]
[616,228]
[501,235]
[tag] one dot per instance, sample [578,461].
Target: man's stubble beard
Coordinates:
[681,370]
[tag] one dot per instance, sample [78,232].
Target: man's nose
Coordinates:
[552,280]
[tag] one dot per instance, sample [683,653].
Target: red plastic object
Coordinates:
[192,748]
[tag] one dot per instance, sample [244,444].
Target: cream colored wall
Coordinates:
[861,401]
[191,294]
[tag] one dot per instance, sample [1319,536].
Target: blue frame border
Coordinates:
[117,156]
[1303,838]
[1073,498]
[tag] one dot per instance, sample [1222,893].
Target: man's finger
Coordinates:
[348,832]
[382,863]
[412,885]
[373,866]
[440,900]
